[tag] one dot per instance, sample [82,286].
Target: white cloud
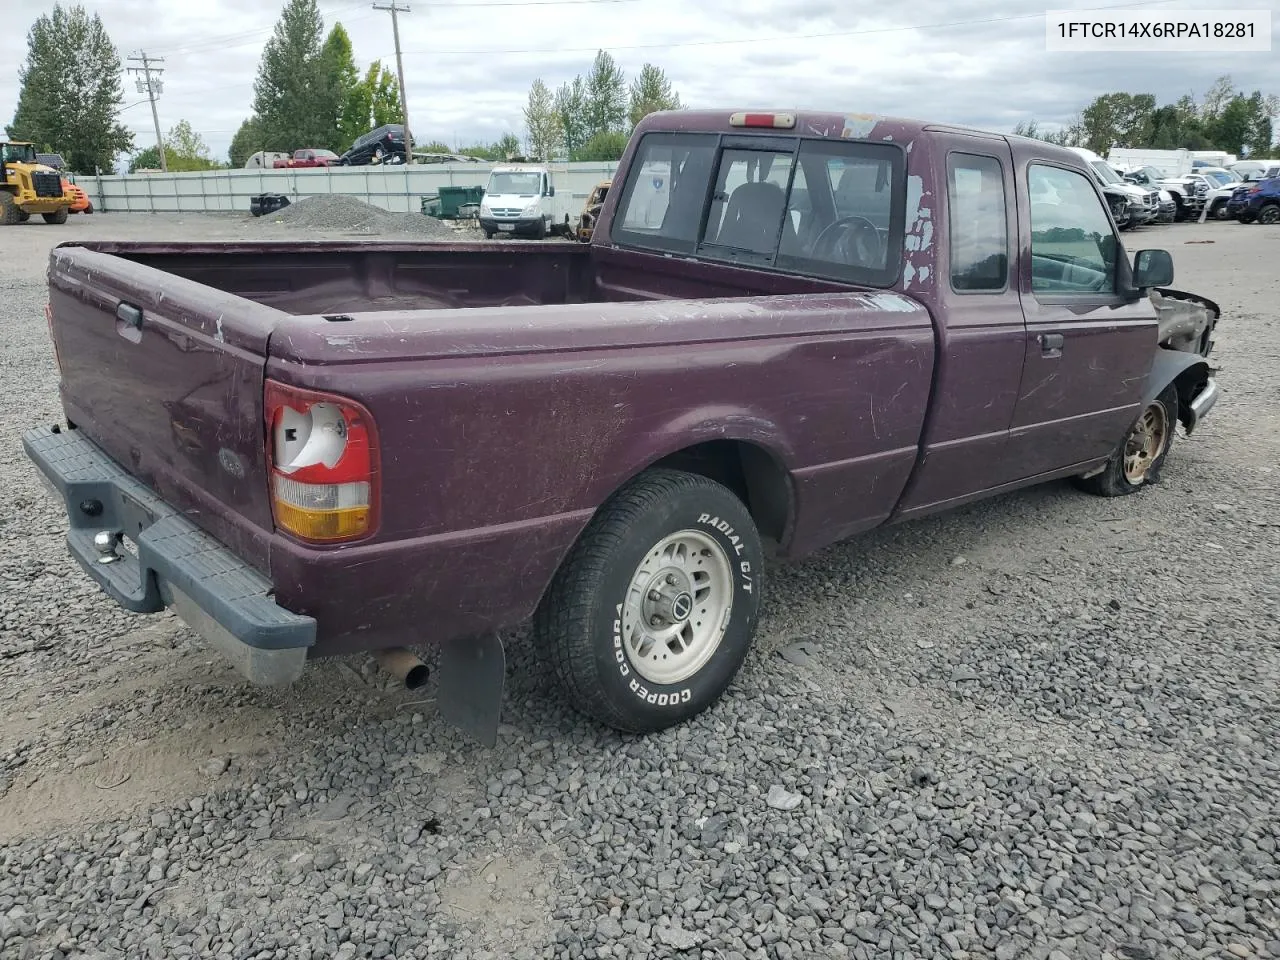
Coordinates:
[469,63]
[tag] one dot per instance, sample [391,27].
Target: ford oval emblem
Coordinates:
[231,463]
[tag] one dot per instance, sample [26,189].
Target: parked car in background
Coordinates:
[1131,205]
[591,210]
[384,144]
[264,159]
[309,157]
[1186,190]
[1256,200]
[1256,169]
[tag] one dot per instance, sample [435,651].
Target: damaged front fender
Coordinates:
[1186,320]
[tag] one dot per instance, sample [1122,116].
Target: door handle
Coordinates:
[1050,344]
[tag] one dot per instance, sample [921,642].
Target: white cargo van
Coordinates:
[520,200]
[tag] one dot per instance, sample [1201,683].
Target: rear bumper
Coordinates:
[172,563]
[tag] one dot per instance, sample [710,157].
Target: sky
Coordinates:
[469,63]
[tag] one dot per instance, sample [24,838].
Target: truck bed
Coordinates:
[609,366]
[341,277]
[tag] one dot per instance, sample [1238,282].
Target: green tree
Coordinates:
[603,146]
[542,121]
[1068,136]
[570,105]
[605,100]
[289,76]
[435,146]
[1118,119]
[246,142]
[651,92]
[184,150]
[340,81]
[507,145]
[384,96]
[70,91]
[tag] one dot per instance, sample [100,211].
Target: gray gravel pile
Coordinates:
[1040,728]
[332,212]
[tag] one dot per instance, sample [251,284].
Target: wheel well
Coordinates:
[1188,384]
[750,471]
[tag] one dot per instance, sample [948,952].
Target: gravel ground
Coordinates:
[329,212]
[1041,727]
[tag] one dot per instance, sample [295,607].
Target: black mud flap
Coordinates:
[471,675]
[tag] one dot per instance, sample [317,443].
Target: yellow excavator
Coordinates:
[28,186]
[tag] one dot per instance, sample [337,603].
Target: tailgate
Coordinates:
[166,376]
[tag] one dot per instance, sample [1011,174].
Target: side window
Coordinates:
[1073,245]
[978,230]
[662,204]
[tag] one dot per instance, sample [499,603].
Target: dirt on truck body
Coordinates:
[787,329]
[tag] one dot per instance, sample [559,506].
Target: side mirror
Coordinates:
[551,191]
[1152,268]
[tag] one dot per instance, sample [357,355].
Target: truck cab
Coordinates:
[517,201]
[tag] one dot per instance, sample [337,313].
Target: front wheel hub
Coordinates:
[1145,443]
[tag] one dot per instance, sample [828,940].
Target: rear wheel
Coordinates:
[9,212]
[1138,460]
[58,216]
[1269,214]
[653,612]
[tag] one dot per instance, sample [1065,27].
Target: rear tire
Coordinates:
[1137,461]
[58,216]
[1269,214]
[10,214]
[653,611]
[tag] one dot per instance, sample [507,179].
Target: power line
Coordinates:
[395,9]
[152,88]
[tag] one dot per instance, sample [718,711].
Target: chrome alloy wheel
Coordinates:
[677,607]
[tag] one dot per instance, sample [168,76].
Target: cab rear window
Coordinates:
[816,207]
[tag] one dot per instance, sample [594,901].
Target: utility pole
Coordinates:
[395,8]
[151,88]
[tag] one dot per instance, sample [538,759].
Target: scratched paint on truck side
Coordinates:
[918,244]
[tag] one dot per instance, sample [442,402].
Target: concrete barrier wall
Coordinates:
[397,188]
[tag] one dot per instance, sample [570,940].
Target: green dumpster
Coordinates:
[451,198]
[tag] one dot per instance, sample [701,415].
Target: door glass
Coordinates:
[1073,245]
[978,229]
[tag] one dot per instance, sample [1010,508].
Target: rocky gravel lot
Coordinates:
[1046,726]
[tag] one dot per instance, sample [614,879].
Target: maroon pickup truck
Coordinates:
[787,328]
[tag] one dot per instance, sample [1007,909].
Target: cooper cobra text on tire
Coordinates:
[1140,456]
[653,611]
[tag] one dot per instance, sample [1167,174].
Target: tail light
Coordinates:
[322,454]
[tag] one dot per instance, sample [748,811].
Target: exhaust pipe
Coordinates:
[404,665]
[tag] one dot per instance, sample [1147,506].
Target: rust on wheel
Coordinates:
[1146,442]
